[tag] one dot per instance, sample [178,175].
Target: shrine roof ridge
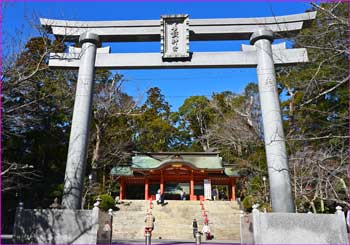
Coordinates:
[151,160]
[177,153]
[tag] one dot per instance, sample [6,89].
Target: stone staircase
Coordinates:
[224,220]
[173,221]
[128,221]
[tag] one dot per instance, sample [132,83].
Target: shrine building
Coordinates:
[194,173]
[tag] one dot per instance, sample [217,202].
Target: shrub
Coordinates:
[248,202]
[107,202]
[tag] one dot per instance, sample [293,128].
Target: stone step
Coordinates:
[174,220]
[124,225]
[124,212]
[219,217]
[220,206]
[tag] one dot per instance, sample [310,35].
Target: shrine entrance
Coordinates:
[190,174]
[134,191]
[174,32]
[173,191]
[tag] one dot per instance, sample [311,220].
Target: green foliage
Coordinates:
[250,200]
[195,117]
[248,203]
[37,104]
[56,191]
[155,129]
[106,203]
[111,131]
[255,184]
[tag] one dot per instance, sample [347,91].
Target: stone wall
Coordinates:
[246,226]
[104,233]
[56,226]
[299,228]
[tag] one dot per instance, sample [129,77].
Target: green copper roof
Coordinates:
[121,171]
[229,171]
[195,160]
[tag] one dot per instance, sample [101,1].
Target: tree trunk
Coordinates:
[104,180]
[96,152]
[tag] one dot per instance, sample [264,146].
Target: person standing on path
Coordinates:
[194,227]
[214,194]
[149,220]
[206,232]
[158,196]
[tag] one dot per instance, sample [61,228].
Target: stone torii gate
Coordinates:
[175,33]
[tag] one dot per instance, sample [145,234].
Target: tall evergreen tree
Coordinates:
[155,128]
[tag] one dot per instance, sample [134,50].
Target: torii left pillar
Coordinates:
[79,135]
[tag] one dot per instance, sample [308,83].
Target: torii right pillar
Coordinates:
[275,147]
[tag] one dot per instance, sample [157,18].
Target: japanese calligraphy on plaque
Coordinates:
[174,36]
